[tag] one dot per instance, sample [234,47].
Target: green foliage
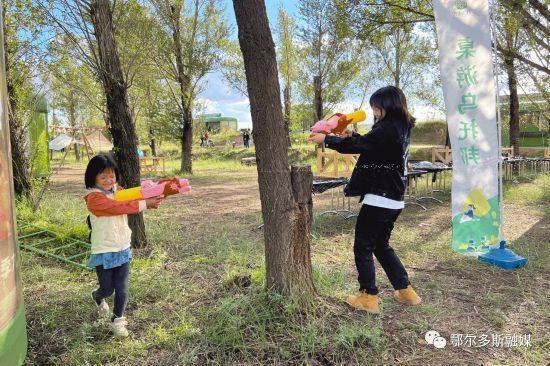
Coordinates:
[429,132]
[287,49]
[75,92]
[328,51]
[233,68]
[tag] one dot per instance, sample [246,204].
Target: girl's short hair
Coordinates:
[392,100]
[96,165]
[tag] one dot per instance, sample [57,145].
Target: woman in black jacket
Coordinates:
[378,178]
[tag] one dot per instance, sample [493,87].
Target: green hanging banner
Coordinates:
[13,335]
[466,64]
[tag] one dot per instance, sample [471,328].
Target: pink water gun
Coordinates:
[338,122]
[148,189]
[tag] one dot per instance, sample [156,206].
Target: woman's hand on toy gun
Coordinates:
[154,202]
[318,138]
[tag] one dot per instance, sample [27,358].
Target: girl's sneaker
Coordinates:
[102,308]
[119,327]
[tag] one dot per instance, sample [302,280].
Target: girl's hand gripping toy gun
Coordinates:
[148,189]
[338,122]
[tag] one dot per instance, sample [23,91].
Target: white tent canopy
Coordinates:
[62,141]
[98,142]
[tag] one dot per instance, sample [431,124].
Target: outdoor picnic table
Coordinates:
[536,162]
[411,176]
[511,163]
[434,169]
[321,185]
[150,164]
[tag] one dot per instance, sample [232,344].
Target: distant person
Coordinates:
[246,139]
[378,179]
[110,237]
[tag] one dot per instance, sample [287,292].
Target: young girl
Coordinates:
[110,237]
[378,179]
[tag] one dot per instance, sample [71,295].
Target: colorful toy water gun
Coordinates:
[148,189]
[338,122]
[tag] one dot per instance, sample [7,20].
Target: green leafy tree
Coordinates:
[329,55]
[75,93]
[23,23]
[287,60]
[232,68]
[194,37]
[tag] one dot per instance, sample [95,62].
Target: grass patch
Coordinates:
[198,297]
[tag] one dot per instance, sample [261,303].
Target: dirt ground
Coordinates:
[460,296]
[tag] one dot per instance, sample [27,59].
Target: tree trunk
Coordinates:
[152,142]
[397,75]
[20,164]
[72,123]
[318,98]
[514,103]
[288,106]
[76,152]
[153,146]
[318,103]
[184,83]
[187,141]
[116,92]
[285,197]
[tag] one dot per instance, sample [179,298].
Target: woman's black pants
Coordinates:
[372,234]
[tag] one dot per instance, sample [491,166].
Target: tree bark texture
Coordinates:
[514,104]
[318,97]
[318,103]
[285,196]
[122,128]
[184,83]
[20,163]
[288,105]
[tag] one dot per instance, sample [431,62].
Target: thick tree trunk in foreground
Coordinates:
[285,197]
[122,127]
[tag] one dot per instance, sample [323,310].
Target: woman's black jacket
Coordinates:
[381,165]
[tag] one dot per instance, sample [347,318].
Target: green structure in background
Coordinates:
[39,138]
[13,334]
[214,122]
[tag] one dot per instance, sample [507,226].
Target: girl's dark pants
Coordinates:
[372,234]
[113,280]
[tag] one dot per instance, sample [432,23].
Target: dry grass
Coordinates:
[198,298]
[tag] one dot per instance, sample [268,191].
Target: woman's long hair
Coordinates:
[392,100]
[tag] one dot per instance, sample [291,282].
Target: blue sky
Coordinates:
[219,97]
